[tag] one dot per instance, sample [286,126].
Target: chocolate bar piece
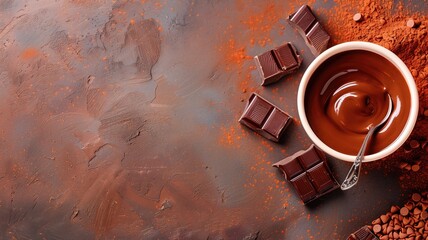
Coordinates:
[311,30]
[363,233]
[265,118]
[308,172]
[276,63]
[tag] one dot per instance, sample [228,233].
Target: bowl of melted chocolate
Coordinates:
[345,91]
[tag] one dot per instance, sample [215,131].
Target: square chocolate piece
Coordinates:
[363,233]
[291,169]
[310,157]
[268,68]
[317,38]
[320,177]
[304,19]
[265,118]
[310,29]
[308,172]
[276,122]
[304,187]
[276,63]
[257,112]
[287,57]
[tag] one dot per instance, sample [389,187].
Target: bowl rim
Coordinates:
[391,57]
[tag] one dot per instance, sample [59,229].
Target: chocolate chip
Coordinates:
[402,235]
[384,218]
[376,221]
[389,229]
[358,17]
[416,197]
[377,228]
[414,144]
[416,211]
[409,205]
[424,215]
[412,23]
[394,209]
[404,211]
[416,168]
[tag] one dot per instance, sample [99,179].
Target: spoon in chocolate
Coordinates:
[354,173]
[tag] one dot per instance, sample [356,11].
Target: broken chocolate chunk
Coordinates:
[276,63]
[265,118]
[318,39]
[311,30]
[363,233]
[308,172]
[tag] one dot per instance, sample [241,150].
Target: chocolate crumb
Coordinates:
[412,23]
[358,17]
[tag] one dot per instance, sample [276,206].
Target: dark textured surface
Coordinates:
[119,120]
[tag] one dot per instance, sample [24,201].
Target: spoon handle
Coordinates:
[354,173]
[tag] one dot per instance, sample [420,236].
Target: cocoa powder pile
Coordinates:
[394,27]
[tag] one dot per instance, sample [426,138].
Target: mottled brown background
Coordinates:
[118,120]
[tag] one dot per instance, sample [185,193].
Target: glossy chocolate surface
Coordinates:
[308,171]
[265,118]
[347,94]
[276,63]
[310,29]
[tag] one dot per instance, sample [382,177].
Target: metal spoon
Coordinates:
[353,174]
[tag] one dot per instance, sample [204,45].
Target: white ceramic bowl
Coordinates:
[396,61]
